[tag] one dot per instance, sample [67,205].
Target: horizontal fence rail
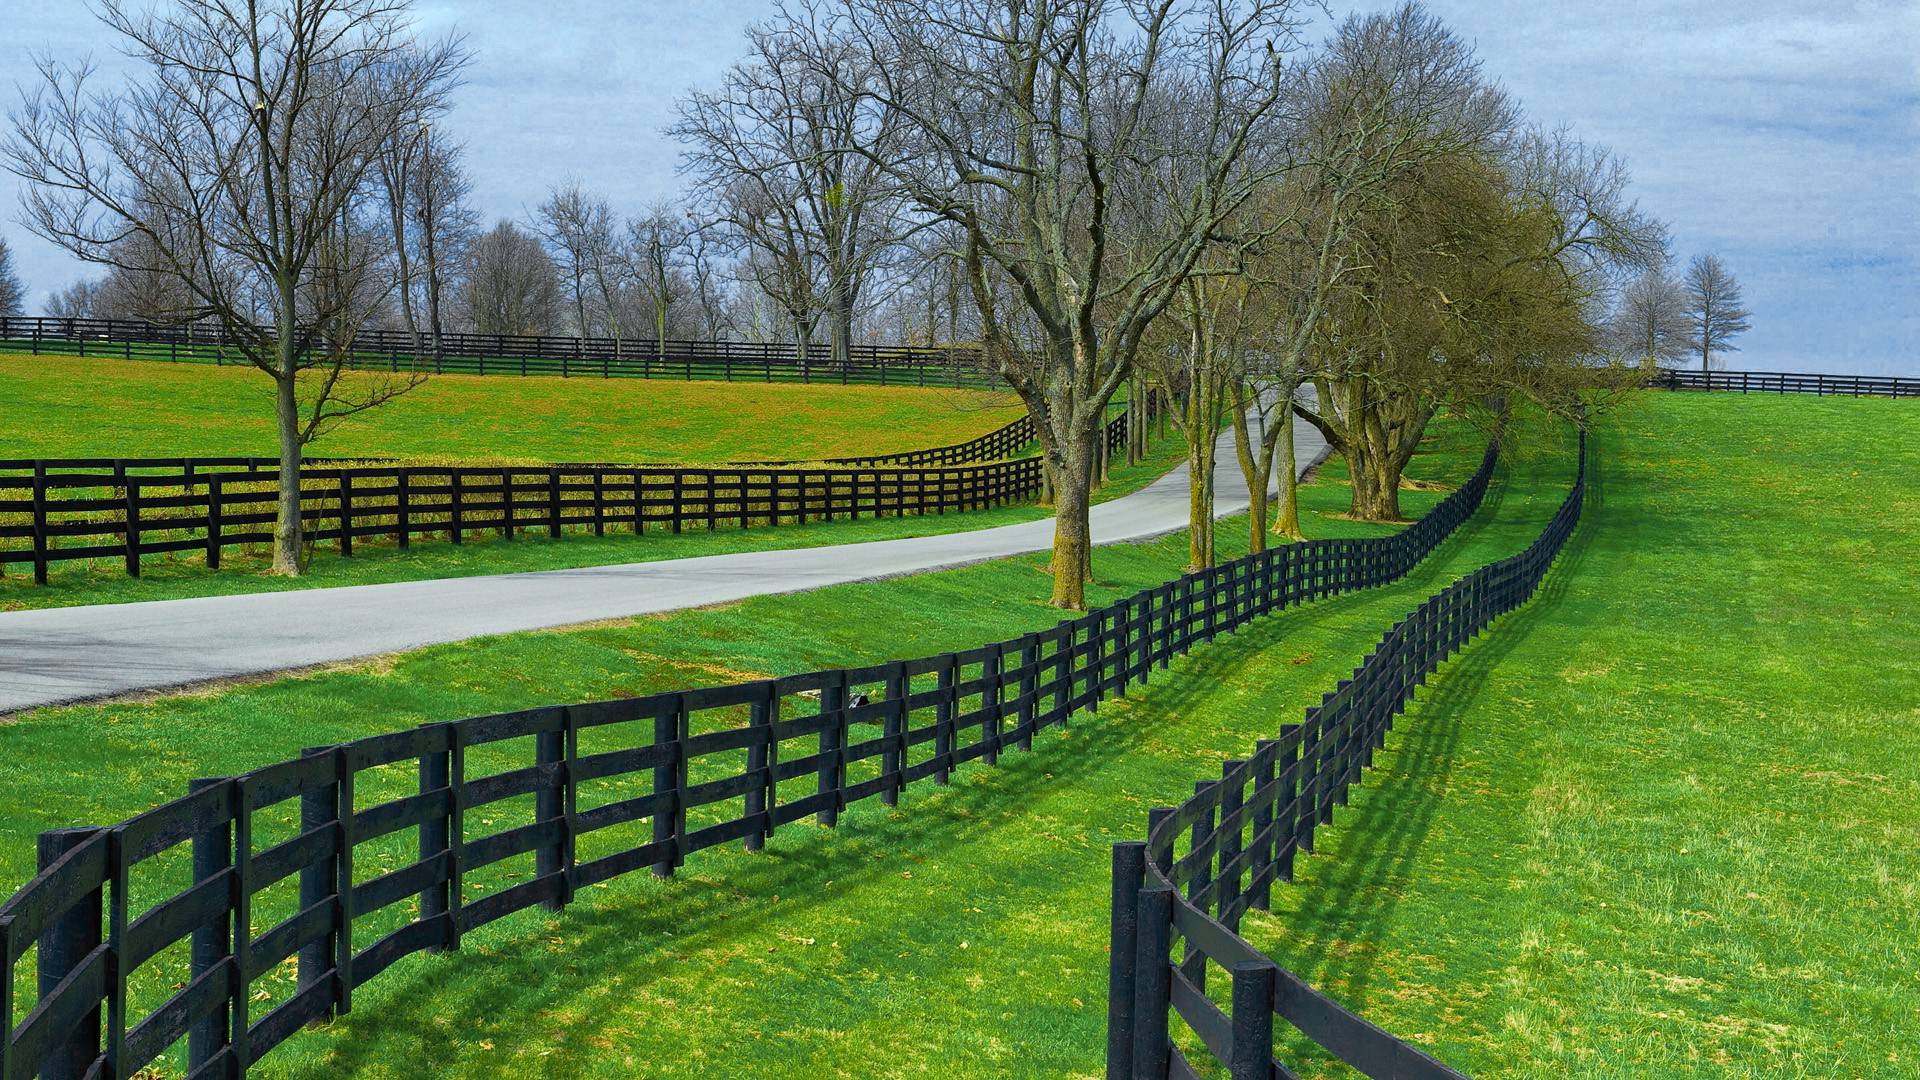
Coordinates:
[227,919]
[1780,382]
[496,354]
[54,513]
[1178,898]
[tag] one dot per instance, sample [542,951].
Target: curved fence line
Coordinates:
[1178,897]
[353,856]
[53,516]
[500,354]
[66,509]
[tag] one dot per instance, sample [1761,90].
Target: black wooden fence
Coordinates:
[1780,382]
[106,509]
[143,934]
[495,354]
[1178,898]
[64,509]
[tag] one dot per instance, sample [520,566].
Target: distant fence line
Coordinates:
[52,516]
[482,817]
[1782,382]
[1228,844]
[501,354]
[65,509]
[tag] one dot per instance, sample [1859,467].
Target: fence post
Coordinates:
[346,514]
[550,805]
[436,837]
[319,809]
[1202,837]
[666,781]
[833,741]
[212,942]
[1029,685]
[455,510]
[943,719]
[553,502]
[990,698]
[1129,875]
[1153,982]
[402,507]
[64,946]
[893,760]
[760,758]
[133,525]
[1232,795]
[1253,1021]
[214,525]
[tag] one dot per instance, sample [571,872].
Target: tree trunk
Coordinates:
[1072,530]
[434,326]
[1200,460]
[289,549]
[1287,521]
[840,323]
[1256,467]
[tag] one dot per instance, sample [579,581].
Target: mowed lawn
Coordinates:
[1665,821]
[960,936]
[63,406]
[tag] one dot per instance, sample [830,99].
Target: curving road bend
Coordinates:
[61,655]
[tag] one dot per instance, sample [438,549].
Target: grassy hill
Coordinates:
[1664,821]
[63,406]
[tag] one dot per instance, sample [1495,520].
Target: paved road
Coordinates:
[67,654]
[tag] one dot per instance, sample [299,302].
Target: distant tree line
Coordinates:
[1192,202]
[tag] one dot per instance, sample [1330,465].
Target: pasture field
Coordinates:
[1664,821]
[103,762]
[64,406]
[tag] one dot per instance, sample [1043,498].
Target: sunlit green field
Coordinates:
[64,406]
[1664,821]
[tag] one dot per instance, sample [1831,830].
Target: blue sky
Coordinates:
[1783,135]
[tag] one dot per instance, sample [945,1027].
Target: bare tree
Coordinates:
[773,150]
[660,245]
[1084,151]
[254,129]
[579,230]
[79,300]
[13,291]
[510,285]
[1714,312]
[1649,324]
[706,272]
[444,222]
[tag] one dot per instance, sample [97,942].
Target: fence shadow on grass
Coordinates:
[644,935]
[1355,892]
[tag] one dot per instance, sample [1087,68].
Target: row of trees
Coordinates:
[1661,320]
[1188,200]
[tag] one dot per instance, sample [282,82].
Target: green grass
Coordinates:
[972,920]
[63,406]
[247,569]
[1661,822]
[1665,821]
